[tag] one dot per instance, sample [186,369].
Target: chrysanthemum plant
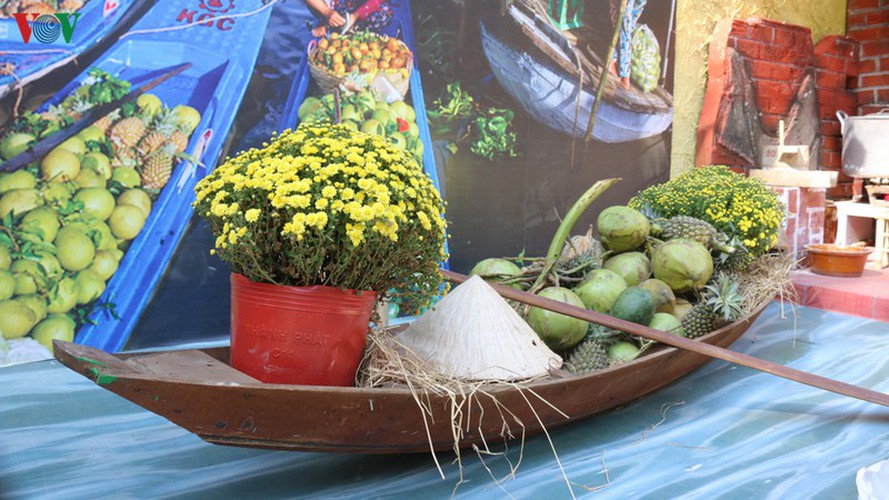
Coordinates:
[741,207]
[323,205]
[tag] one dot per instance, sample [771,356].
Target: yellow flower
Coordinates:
[252,215]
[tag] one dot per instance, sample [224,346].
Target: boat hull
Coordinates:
[199,392]
[550,96]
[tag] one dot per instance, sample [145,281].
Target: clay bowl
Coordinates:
[836,260]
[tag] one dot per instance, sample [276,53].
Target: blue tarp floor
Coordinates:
[722,432]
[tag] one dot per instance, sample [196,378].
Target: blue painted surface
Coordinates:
[222,64]
[721,432]
[33,59]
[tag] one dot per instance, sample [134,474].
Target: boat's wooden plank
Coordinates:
[189,365]
[90,362]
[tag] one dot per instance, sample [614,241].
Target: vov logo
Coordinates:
[46,28]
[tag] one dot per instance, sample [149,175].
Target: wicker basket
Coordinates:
[873,191]
[328,80]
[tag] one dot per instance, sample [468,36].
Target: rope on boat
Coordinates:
[268,4]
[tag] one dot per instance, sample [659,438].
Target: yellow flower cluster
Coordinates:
[325,192]
[742,208]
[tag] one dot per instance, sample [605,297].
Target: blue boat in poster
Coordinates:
[22,62]
[538,67]
[221,40]
[402,28]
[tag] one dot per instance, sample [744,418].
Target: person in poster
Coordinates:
[345,15]
[623,52]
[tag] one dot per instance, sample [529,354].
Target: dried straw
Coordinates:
[387,363]
[767,278]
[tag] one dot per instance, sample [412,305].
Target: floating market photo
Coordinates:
[444,249]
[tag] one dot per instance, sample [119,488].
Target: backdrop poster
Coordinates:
[508,90]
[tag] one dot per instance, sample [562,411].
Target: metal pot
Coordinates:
[865,144]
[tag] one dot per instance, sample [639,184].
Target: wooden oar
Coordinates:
[684,343]
[45,145]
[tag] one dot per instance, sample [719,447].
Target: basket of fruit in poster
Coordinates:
[363,111]
[360,60]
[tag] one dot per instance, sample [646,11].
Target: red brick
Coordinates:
[863,4]
[878,17]
[873,80]
[870,33]
[856,19]
[840,192]
[761,32]
[831,100]
[830,127]
[751,49]
[774,71]
[866,96]
[830,79]
[831,159]
[830,63]
[869,65]
[770,121]
[832,143]
[875,49]
[871,108]
[882,96]
[883,64]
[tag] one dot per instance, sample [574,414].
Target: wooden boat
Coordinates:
[541,68]
[200,392]
[214,84]
[25,62]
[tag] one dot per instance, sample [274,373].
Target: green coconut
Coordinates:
[29,276]
[75,145]
[683,264]
[496,270]
[558,331]
[634,304]
[14,144]
[60,165]
[666,322]
[58,193]
[622,229]
[126,221]
[127,177]
[623,351]
[97,201]
[600,289]
[633,267]
[664,298]
[104,264]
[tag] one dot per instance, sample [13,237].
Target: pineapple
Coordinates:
[179,140]
[157,169]
[105,122]
[151,143]
[70,5]
[38,8]
[589,355]
[579,250]
[683,226]
[736,261]
[720,305]
[700,321]
[127,132]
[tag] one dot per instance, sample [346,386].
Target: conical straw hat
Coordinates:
[474,334]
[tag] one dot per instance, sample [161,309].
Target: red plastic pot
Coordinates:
[298,335]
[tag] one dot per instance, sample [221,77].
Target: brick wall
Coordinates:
[868,23]
[778,57]
[837,69]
